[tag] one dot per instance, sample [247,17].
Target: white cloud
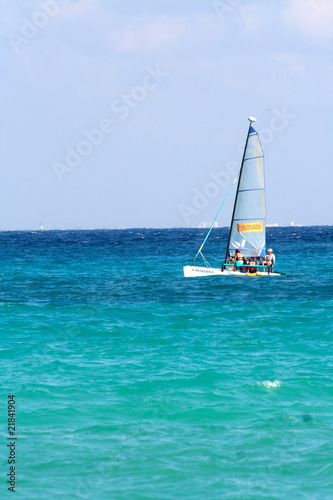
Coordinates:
[250,20]
[291,62]
[312,17]
[80,9]
[148,34]
[130,34]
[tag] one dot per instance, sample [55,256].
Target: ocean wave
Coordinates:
[270,385]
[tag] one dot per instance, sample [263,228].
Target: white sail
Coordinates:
[248,227]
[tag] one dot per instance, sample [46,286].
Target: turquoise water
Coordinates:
[132,382]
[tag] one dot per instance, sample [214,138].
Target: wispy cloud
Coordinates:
[312,17]
[292,62]
[249,20]
[147,33]
[107,29]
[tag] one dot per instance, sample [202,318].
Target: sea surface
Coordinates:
[133,382]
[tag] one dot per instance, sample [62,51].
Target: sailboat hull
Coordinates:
[197,271]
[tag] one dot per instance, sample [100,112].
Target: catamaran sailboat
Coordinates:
[247,234]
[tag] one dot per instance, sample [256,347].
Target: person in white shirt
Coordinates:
[270,260]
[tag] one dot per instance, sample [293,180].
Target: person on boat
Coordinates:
[245,263]
[270,260]
[238,260]
[230,260]
[253,263]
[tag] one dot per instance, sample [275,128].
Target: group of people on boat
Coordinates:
[239,263]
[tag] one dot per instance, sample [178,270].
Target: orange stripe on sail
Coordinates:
[249,227]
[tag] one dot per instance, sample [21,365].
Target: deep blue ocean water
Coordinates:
[133,382]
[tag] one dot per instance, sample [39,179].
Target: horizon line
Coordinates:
[151,227]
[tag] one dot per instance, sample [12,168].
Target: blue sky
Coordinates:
[133,113]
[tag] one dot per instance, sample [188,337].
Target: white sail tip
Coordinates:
[252,119]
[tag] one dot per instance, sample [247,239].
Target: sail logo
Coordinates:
[249,227]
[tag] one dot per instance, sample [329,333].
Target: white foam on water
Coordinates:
[270,385]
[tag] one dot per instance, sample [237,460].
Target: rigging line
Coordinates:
[216,216]
[205,260]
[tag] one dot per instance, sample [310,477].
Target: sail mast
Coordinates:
[251,120]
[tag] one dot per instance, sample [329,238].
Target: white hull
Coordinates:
[195,271]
